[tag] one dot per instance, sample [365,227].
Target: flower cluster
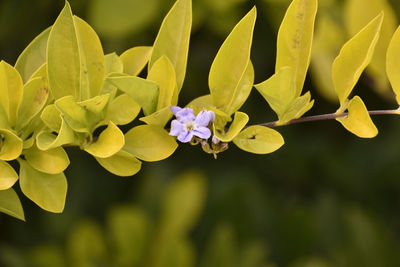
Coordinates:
[187,125]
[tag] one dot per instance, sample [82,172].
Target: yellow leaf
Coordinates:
[92,63]
[149,143]
[279,90]
[354,56]
[51,117]
[231,64]
[259,140]
[173,37]
[10,91]
[135,59]
[122,164]
[393,63]
[51,161]
[10,204]
[144,92]
[122,110]
[113,63]
[48,191]
[240,120]
[63,57]
[33,56]
[297,108]
[11,145]
[8,176]
[47,140]
[109,142]
[358,120]
[158,118]
[357,14]
[205,102]
[295,40]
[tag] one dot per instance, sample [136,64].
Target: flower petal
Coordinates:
[175,109]
[202,132]
[204,118]
[185,136]
[176,128]
[185,115]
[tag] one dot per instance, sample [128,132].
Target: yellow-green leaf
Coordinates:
[144,92]
[8,176]
[122,110]
[158,118]
[10,146]
[162,73]
[34,97]
[205,102]
[295,40]
[51,161]
[10,90]
[279,90]
[357,14]
[92,63]
[51,116]
[297,108]
[393,63]
[10,204]
[354,56]
[231,65]
[48,191]
[47,140]
[113,63]
[149,143]
[33,56]
[239,121]
[173,39]
[109,142]
[122,164]
[358,120]
[259,140]
[63,59]
[135,59]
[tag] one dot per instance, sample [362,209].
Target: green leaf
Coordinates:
[130,232]
[183,203]
[163,74]
[295,40]
[358,120]
[231,71]
[34,97]
[393,63]
[240,120]
[158,118]
[144,92]
[356,15]
[8,176]
[297,108]
[33,56]
[149,143]
[11,145]
[48,191]
[122,110]
[51,161]
[173,39]
[135,59]
[47,140]
[113,63]
[92,63]
[109,142]
[122,164]
[259,140]
[10,90]
[10,204]
[63,58]
[279,90]
[354,56]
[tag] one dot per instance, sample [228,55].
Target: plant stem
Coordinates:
[330,116]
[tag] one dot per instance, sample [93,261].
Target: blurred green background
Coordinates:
[327,198]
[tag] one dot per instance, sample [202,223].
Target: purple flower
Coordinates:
[188,125]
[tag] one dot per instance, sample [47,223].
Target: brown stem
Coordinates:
[330,116]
